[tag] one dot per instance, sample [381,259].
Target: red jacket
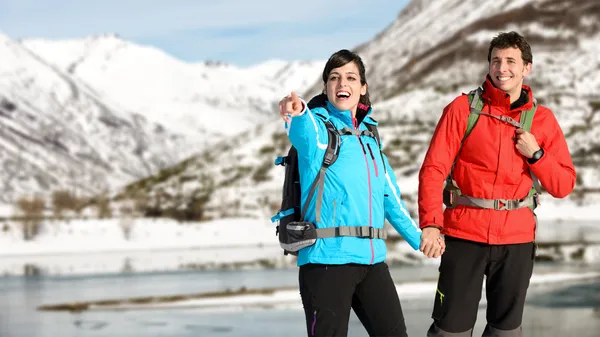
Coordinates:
[491,167]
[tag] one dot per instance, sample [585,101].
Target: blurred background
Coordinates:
[137,141]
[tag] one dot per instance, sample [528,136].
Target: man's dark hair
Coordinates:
[511,40]
[340,59]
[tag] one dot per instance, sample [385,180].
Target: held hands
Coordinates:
[290,106]
[432,245]
[526,143]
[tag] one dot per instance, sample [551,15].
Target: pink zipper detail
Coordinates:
[354,122]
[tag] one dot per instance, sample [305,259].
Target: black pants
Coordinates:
[330,291]
[507,269]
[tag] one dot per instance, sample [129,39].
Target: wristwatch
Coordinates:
[537,155]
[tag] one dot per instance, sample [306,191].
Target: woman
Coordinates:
[339,273]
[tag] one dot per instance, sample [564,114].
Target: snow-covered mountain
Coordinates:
[433,51]
[56,131]
[92,114]
[197,99]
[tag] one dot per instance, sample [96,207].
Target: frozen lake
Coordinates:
[567,308]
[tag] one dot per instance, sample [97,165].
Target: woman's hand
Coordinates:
[290,106]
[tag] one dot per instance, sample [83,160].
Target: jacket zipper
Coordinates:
[354,122]
[374,162]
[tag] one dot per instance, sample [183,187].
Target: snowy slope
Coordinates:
[100,112]
[434,51]
[189,97]
[288,76]
[56,132]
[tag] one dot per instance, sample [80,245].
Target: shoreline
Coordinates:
[270,297]
[230,258]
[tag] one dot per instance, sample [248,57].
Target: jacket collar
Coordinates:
[344,115]
[498,98]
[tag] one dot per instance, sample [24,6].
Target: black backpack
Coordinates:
[293,232]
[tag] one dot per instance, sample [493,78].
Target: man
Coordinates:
[488,223]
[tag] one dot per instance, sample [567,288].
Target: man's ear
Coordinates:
[527,69]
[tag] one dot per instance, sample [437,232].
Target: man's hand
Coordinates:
[290,106]
[525,143]
[432,245]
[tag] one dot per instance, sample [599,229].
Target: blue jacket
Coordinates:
[358,190]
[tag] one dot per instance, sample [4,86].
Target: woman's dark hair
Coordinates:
[340,59]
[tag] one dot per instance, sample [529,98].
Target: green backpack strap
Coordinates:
[475,102]
[527,122]
[527,117]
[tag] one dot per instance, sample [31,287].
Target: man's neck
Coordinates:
[514,96]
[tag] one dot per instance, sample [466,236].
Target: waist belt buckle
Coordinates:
[500,204]
[371,233]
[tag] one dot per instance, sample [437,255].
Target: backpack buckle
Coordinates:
[501,204]
[328,159]
[281,161]
[536,200]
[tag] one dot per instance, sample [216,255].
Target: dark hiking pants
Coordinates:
[507,270]
[329,292]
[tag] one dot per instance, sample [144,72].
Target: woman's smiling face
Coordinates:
[343,87]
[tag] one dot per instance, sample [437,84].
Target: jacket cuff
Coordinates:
[304,108]
[436,221]
[433,226]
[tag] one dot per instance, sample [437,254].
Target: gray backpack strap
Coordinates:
[374,132]
[358,231]
[504,119]
[536,182]
[368,133]
[318,184]
[496,204]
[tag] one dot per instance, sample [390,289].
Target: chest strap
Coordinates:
[348,131]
